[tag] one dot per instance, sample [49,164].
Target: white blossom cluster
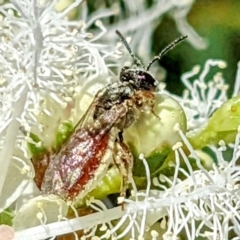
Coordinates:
[46,61]
[205,204]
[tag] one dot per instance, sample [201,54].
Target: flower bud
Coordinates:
[149,132]
[223,125]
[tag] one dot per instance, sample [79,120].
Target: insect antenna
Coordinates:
[136,59]
[166,49]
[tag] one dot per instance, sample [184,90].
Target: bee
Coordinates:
[97,140]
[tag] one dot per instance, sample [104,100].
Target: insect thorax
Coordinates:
[113,95]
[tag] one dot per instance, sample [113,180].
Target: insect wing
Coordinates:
[85,157]
[41,163]
[88,115]
[83,160]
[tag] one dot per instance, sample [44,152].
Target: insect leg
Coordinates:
[155,114]
[123,159]
[145,101]
[120,135]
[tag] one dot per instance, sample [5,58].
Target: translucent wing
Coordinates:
[41,164]
[84,159]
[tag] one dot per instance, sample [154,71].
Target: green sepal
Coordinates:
[223,125]
[6,217]
[36,149]
[110,184]
[65,129]
[155,161]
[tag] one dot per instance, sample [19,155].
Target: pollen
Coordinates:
[177,146]
[103,227]
[154,234]
[120,200]
[222,64]
[39,215]
[176,127]
[25,169]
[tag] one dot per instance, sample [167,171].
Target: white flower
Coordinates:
[205,204]
[141,19]
[50,70]
[202,96]
[46,62]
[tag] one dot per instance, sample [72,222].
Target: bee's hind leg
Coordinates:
[123,159]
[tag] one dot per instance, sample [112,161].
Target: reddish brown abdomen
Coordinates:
[76,164]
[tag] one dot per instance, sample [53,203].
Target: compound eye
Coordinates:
[146,81]
[125,75]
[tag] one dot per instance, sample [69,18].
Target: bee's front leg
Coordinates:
[123,159]
[145,101]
